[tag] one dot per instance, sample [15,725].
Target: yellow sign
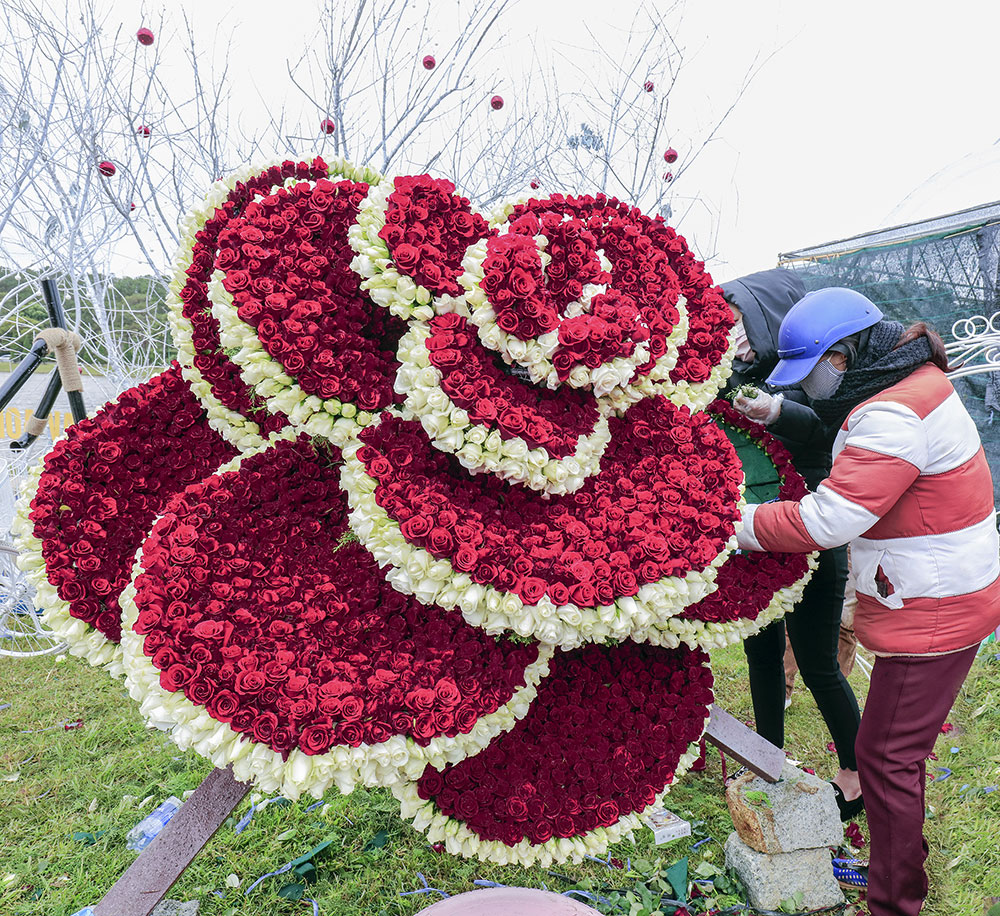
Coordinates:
[12,422]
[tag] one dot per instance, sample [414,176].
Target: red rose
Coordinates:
[539,832]
[465,718]
[465,558]
[353,708]
[406,257]
[224,705]
[430,783]
[316,739]
[264,727]
[350,733]
[532,589]
[424,727]
[417,526]
[447,692]
[175,677]
[559,593]
[250,682]
[440,540]
[199,691]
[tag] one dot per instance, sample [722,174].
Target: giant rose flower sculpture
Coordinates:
[433,500]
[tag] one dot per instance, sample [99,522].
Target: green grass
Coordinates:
[92,778]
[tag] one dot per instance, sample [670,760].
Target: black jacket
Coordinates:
[764,298]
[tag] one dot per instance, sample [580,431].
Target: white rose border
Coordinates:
[328,418]
[414,571]
[480,448]
[535,355]
[382,764]
[460,840]
[82,639]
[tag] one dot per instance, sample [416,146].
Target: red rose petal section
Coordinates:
[602,740]
[105,483]
[652,263]
[473,379]
[748,581]
[257,605]
[528,301]
[221,373]
[611,330]
[645,277]
[287,263]
[664,503]
[427,230]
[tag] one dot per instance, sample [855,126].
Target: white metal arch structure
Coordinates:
[975,345]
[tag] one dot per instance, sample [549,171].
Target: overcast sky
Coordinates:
[866,112]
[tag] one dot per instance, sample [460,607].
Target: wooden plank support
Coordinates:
[161,863]
[732,737]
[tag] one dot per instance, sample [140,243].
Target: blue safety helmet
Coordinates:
[816,322]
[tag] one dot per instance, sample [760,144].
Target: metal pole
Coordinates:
[44,409]
[21,374]
[57,316]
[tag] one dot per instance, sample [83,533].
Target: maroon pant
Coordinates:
[908,702]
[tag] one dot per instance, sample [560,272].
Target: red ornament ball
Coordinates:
[106,168]
[429,62]
[496,103]
[648,86]
[670,155]
[143,131]
[668,176]
[327,126]
[131,206]
[534,186]
[145,36]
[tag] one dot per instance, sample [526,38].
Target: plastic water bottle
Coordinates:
[143,833]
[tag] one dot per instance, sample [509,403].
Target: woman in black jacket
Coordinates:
[759,302]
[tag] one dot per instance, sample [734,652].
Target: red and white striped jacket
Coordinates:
[911,490]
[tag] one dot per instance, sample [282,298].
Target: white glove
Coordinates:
[764,408]
[745,538]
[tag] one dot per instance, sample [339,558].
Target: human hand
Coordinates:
[764,408]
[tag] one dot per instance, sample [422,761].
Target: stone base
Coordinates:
[799,811]
[769,879]
[176,908]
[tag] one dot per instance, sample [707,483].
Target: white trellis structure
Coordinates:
[974,346]
[945,271]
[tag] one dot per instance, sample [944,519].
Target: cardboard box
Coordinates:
[666,825]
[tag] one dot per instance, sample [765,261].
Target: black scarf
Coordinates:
[877,367]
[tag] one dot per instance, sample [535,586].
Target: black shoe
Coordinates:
[848,809]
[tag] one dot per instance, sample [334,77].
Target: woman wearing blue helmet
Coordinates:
[911,491]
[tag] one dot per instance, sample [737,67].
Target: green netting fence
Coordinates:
[943,271]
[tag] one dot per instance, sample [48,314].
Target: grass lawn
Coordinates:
[68,798]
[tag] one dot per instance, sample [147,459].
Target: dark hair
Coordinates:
[938,355]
